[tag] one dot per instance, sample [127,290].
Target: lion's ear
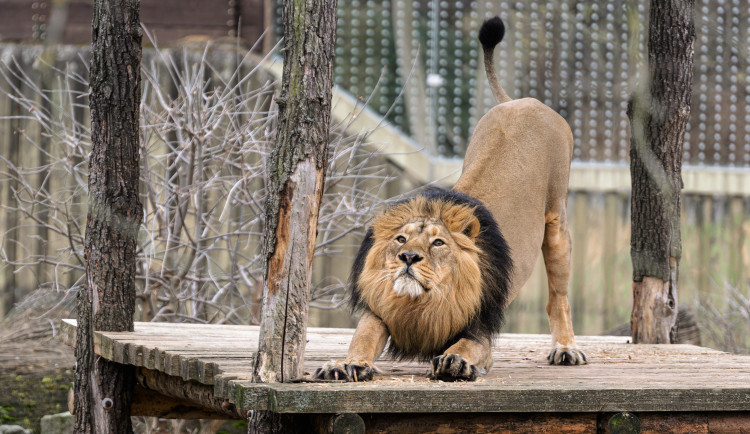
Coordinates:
[472,227]
[462,219]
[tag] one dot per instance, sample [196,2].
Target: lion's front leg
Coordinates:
[367,343]
[463,361]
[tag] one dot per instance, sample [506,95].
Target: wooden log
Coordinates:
[199,397]
[624,423]
[728,422]
[648,422]
[341,423]
[481,422]
[679,422]
[151,403]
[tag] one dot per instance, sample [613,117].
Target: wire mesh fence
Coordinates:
[581,58]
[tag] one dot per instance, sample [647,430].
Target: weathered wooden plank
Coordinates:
[440,398]
[620,376]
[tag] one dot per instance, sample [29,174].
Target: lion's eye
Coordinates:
[401,239]
[438,243]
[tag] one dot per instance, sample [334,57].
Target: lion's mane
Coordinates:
[426,326]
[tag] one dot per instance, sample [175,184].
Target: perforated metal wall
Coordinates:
[582,58]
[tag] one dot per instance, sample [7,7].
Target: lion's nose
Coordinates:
[409,258]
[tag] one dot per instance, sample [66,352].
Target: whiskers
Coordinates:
[384,276]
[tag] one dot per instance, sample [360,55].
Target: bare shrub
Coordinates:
[207,124]
[724,317]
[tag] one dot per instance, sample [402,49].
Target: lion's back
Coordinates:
[520,132]
[518,164]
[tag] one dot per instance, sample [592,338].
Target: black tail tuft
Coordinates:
[491,33]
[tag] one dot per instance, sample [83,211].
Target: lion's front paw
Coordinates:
[347,371]
[452,367]
[561,355]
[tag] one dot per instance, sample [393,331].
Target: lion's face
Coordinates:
[423,270]
[420,257]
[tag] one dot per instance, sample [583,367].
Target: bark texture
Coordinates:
[659,116]
[103,390]
[296,169]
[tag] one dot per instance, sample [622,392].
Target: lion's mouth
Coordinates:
[406,283]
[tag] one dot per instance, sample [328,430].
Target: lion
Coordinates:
[436,272]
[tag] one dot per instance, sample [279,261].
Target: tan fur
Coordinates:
[452,283]
[517,164]
[368,341]
[475,353]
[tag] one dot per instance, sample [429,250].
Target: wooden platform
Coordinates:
[620,377]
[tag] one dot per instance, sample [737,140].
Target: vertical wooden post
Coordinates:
[659,116]
[296,172]
[10,148]
[103,390]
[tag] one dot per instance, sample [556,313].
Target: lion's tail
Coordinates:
[491,34]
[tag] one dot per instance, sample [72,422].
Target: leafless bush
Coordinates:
[725,318]
[207,124]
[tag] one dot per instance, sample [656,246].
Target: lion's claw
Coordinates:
[452,367]
[340,370]
[567,356]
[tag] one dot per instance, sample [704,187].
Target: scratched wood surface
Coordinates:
[621,376]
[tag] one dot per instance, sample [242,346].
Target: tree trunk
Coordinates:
[296,170]
[103,390]
[659,116]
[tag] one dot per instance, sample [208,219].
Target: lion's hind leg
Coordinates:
[556,251]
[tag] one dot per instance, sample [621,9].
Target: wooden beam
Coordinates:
[150,403]
[172,393]
[444,397]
